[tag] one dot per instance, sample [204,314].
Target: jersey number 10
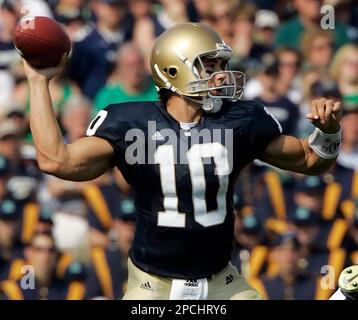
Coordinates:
[171,217]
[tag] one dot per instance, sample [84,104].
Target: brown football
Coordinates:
[41,41]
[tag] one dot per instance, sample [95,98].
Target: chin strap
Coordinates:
[209,105]
[212,105]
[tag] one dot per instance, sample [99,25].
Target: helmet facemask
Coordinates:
[207,93]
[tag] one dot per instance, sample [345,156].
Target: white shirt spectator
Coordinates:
[7,87]
[34,8]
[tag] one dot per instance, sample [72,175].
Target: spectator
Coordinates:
[348,156]
[43,257]
[130,80]
[313,253]
[7,85]
[7,24]
[346,13]
[317,49]
[172,12]
[26,175]
[34,8]
[143,9]
[8,53]
[248,53]
[346,180]
[73,14]
[250,252]
[17,115]
[200,10]
[104,201]
[344,70]
[68,11]
[308,15]
[76,116]
[316,88]
[266,23]
[17,199]
[276,203]
[351,237]
[222,14]
[110,281]
[289,282]
[94,52]
[10,248]
[145,25]
[309,191]
[288,84]
[283,109]
[107,276]
[57,194]
[316,248]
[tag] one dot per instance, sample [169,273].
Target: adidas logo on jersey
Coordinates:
[191,283]
[157,136]
[146,286]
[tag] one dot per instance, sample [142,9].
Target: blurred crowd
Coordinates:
[293,233]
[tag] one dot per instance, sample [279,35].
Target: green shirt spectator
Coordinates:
[115,93]
[130,81]
[289,34]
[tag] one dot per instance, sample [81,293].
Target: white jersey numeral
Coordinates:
[96,122]
[171,217]
[164,156]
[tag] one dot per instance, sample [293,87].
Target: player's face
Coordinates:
[306,234]
[350,128]
[286,258]
[311,200]
[110,14]
[7,232]
[41,254]
[212,69]
[9,146]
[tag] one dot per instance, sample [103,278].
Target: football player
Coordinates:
[182,156]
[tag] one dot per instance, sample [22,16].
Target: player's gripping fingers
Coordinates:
[337,110]
[328,109]
[313,114]
[321,109]
[33,74]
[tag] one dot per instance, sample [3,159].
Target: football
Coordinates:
[41,41]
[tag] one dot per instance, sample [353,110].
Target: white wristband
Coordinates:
[325,145]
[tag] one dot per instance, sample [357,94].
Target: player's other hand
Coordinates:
[33,74]
[325,114]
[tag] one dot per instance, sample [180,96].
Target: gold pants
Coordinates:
[227,284]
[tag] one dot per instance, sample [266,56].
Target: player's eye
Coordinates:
[209,71]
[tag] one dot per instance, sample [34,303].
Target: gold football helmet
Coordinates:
[177,61]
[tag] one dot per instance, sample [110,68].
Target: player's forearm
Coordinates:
[291,153]
[313,163]
[50,147]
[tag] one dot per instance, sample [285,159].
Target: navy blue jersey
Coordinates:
[7,54]
[106,276]
[303,288]
[93,60]
[184,183]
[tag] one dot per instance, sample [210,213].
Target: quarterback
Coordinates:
[184,231]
